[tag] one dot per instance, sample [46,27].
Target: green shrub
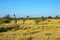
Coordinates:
[37,21]
[6,21]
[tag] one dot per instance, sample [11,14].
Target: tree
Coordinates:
[15,19]
[49,17]
[37,21]
[6,19]
[57,17]
[17,26]
[27,16]
[43,18]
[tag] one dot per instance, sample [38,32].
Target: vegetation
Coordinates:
[42,28]
[5,19]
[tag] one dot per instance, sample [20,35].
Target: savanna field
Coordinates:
[29,19]
[29,29]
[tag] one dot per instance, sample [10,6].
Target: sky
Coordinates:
[32,8]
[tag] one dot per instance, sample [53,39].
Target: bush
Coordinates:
[37,21]
[6,21]
[2,29]
[1,21]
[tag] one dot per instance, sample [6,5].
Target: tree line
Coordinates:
[7,18]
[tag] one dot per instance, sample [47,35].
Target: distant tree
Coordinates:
[57,17]
[43,18]
[17,26]
[15,19]
[37,21]
[27,17]
[49,17]
[6,19]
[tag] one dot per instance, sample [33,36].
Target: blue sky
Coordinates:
[32,8]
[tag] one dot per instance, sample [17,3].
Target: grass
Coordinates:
[45,30]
